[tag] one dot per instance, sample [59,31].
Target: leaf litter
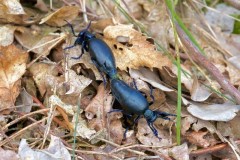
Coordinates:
[32,57]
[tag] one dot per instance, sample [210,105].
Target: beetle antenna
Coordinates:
[88,25]
[70,25]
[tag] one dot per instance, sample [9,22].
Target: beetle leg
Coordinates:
[97,66]
[125,133]
[115,110]
[164,115]
[136,119]
[151,93]
[78,56]
[70,25]
[134,84]
[155,132]
[69,47]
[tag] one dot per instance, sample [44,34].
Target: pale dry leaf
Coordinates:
[186,76]
[134,50]
[57,18]
[8,154]
[77,83]
[82,129]
[55,100]
[148,76]
[214,112]
[178,152]
[7,35]
[199,92]
[234,74]
[25,100]
[219,19]
[235,61]
[12,67]
[57,148]
[12,11]
[11,7]
[55,151]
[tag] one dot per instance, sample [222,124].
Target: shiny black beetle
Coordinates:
[133,102]
[99,51]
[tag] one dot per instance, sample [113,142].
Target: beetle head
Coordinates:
[84,36]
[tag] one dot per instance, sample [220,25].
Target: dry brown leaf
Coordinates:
[85,59]
[100,104]
[38,39]
[68,86]
[40,72]
[137,51]
[230,129]
[198,138]
[116,131]
[57,18]
[12,67]
[146,136]
[41,5]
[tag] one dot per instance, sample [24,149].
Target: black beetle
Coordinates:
[133,102]
[99,51]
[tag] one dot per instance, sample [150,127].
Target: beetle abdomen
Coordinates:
[131,100]
[103,56]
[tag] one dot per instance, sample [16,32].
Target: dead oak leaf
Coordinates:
[132,50]
[57,18]
[12,67]
[12,11]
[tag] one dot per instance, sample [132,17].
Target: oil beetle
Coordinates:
[133,102]
[100,53]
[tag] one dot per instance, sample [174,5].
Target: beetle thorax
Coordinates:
[150,115]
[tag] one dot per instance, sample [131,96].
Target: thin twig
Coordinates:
[116,145]
[233,3]
[24,116]
[21,131]
[95,152]
[54,118]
